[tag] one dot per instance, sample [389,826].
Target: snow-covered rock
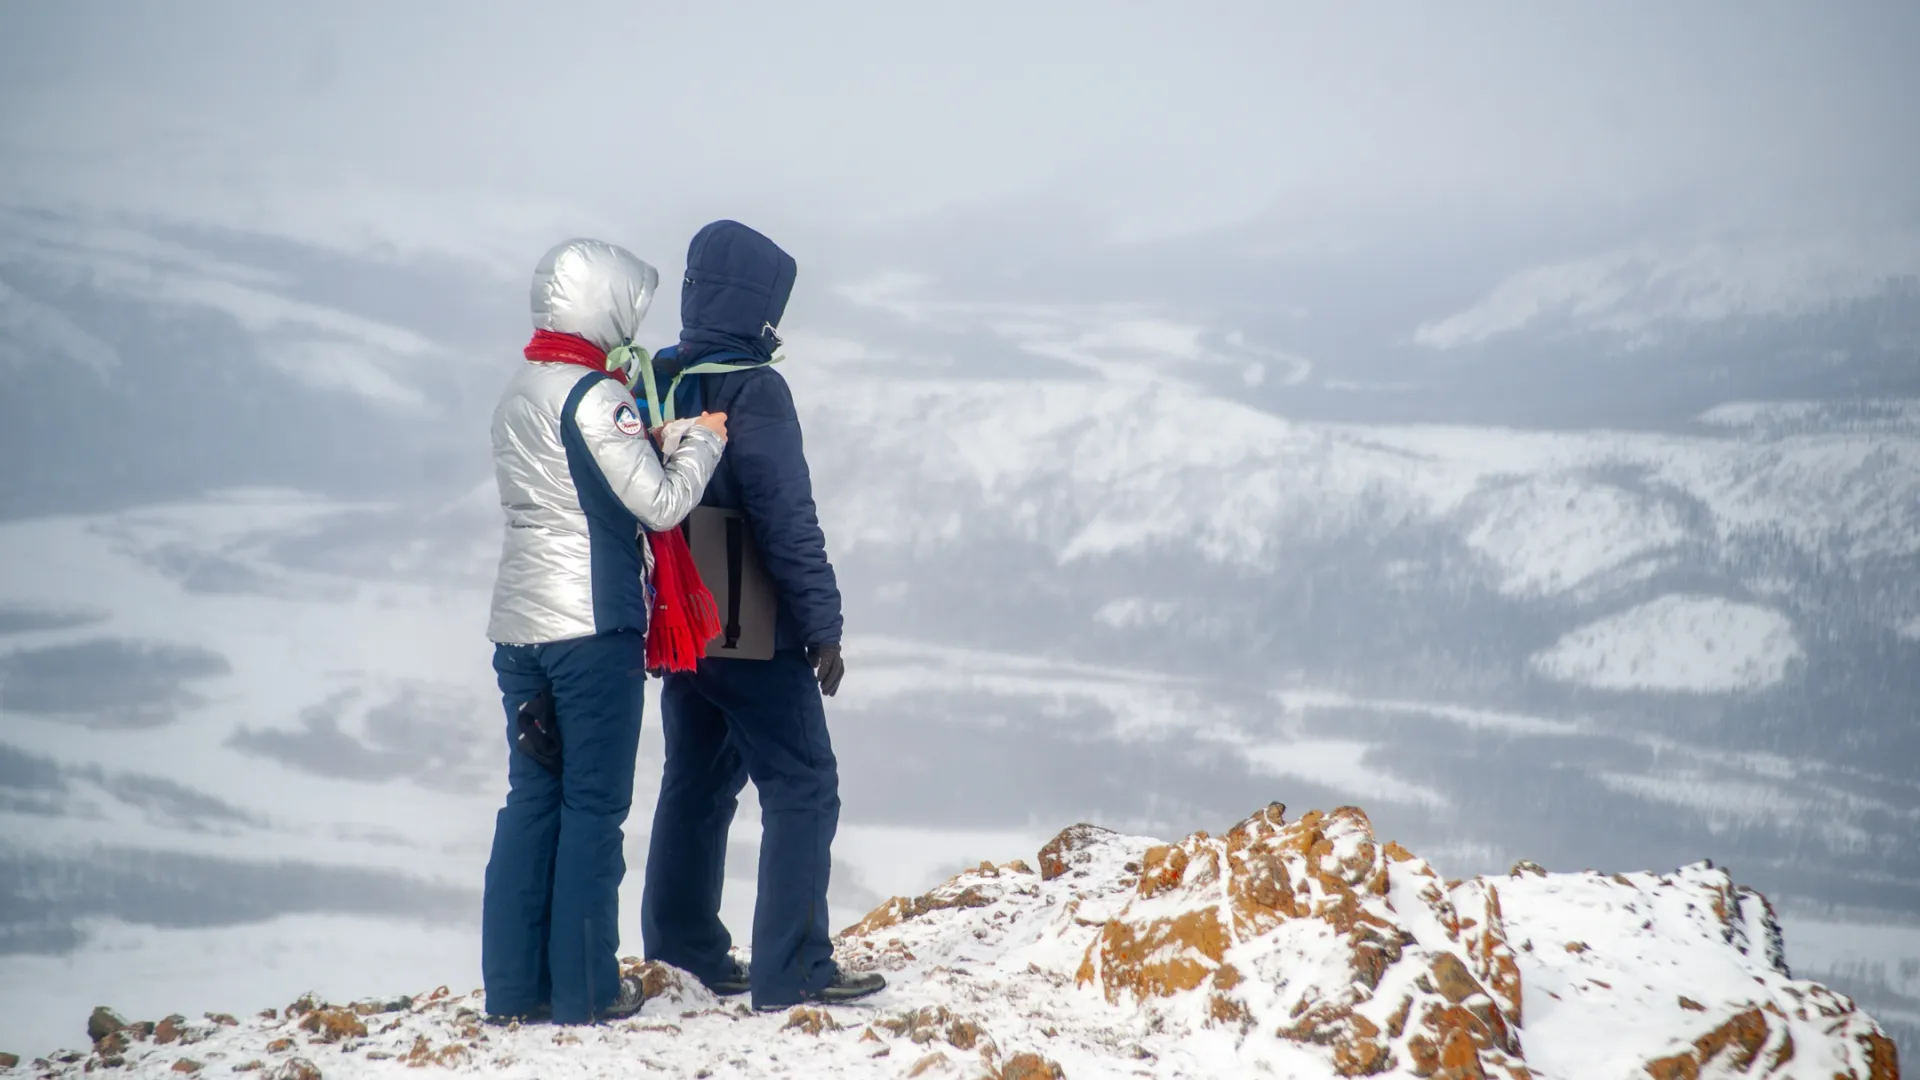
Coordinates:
[1300,949]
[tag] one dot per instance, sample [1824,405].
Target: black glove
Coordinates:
[827,666]
[539,731]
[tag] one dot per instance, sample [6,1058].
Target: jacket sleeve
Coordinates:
[660,496]
[776,495]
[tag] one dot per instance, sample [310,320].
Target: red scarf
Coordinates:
[566,349]
[684,617]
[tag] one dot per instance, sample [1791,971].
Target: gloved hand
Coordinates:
[827,665]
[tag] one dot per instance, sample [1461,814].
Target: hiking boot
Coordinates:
[540,1015]
[846,986]
[627,1002]
[732,982]
[840,989]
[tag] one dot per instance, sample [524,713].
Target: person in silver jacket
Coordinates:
[579,478]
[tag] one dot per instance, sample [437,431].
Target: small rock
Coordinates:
[810,1020]
[333,1025]
[111,1044]
[103,1023]
[8,1061]
[250,1066]
[295,1069]
[141,1029]
[269,1014]
[187,1065]
[1691,1005]
[1451,978]
[1032,1067]
[1576,946]
[1069,849]
[279,1046]
[168,1030]
[223,1019]
[925,1065]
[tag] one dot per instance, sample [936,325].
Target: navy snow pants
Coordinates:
[725,722]
[550,921]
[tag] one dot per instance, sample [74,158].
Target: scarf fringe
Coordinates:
[685,617]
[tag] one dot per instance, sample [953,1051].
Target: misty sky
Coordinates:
[477,128]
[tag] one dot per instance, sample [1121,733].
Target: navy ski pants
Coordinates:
[550,916]
[725,722]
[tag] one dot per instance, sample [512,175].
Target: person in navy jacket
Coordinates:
[731,719]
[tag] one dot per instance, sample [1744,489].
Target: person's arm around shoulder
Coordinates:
[661,496]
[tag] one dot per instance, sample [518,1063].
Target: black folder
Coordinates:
[730,566]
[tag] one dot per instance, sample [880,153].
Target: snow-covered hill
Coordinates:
[1092,469]
[1304,949]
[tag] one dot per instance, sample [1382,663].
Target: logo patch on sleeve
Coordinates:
[628,421]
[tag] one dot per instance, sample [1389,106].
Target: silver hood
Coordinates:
[593,289]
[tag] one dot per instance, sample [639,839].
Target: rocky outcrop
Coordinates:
[1306,948]
[1314,947]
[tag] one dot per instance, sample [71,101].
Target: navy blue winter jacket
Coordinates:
[735,291]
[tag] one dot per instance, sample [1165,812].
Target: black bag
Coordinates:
[539,731]
[732,570]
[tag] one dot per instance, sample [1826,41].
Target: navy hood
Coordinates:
[736,287]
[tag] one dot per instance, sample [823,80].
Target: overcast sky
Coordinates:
[473,127]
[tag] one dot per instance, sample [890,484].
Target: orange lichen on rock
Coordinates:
[1028,1066]
[812,1021]
[1195,901]
[1740,1045]
[333,1025]
[1068,849]
[1883,1060]
[901,909]
[1160,957]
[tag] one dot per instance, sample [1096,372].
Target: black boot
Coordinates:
[732,981]
[846,986]
[540,1015]
[627,1002]
[843,987]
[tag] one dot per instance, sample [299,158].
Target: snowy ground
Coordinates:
[1006,973]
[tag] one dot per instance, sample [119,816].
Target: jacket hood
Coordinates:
[592,290]
[735,291]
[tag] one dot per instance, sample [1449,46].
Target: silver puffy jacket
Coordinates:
[577,474]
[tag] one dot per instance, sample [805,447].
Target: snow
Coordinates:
[1088,470]
[1342,765]
[1678,643]
[1550,535]
[1633,291]
[148,972]
[1643,941]
[1130,612]
[324,347]
[1613,972]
